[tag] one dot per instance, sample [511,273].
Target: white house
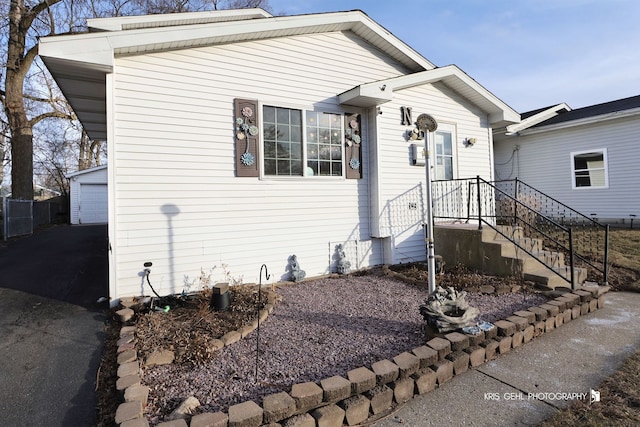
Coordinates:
[236,138]
[584,157]
[88,201]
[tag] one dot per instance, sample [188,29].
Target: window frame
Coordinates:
[304,158]
[605,169]
[452,130]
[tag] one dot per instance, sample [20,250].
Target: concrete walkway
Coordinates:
[51,331]
[572,359]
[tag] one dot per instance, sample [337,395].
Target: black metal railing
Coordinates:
[541,226]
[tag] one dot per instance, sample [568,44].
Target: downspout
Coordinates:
[111,191]
[375,182]
[492,165]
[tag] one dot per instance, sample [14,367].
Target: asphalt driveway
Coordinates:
[51,329]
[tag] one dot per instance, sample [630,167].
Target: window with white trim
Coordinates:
[289,142]
[444,148]
[589,169]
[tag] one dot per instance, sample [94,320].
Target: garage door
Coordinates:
[93,203]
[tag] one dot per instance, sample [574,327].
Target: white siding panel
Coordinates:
[178,202]
[543,161]
[403,184]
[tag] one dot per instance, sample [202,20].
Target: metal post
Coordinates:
[606,255]
[267,276]
[571,264]
[515,202]
[431,260]
[5,219]
[479,203]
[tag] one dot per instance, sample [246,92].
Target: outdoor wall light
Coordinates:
[469,142]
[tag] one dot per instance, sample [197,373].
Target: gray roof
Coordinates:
[590,111]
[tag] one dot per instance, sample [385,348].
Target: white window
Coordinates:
[589,169]
[290,143]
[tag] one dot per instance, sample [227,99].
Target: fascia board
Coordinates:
[537,118]
[585,121]
[94,50]
[168,19]
[498,111]
[100,47]
[85,171]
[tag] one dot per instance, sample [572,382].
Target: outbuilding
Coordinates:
[88,196]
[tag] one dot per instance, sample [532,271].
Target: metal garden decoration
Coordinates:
[245,127]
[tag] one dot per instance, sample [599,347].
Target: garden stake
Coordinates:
[266,276]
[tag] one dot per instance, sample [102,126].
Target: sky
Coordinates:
[529,53]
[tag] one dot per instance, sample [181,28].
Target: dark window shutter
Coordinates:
[353,147]
[247,137]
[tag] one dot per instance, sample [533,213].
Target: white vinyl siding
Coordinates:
[179,203]
[402,184]
[543,160]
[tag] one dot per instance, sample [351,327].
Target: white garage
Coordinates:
[89,196]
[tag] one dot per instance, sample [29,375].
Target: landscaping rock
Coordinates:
[216,419]
[328,416]
[356,409]
[125,314]
[245,414]
[278,406]
[407,363]
[335,388]
[306,395]
[173,423]
[427,355]
[425,381]
[381,398]
[138,393]
[403,389]
[386,371]
[137,422]
[361,379]
[128,411]
[306,420]
[160,357]
[187,407]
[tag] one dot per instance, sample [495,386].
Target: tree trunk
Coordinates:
[22,165]
[21,132]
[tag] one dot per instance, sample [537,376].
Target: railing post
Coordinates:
[606,255]
[479,203]
[571,264]
[515,202]
[5,219]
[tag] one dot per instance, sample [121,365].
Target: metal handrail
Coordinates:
[454,199]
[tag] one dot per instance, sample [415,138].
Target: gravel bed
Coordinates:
[321,328]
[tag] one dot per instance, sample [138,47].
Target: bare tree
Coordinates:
[20,56]
[27,94]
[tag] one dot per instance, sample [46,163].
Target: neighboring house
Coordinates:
[236,138]
[584,157]
[88,202]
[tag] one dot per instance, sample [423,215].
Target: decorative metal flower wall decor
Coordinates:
[246,127]
[353,140]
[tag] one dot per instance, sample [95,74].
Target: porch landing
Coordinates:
[488,251]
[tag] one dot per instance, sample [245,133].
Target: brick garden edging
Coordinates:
[367,392]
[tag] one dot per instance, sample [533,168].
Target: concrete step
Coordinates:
[545,277]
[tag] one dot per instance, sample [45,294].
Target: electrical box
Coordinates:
[417,155]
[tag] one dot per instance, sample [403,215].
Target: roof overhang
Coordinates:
[537,118]
[85,171]
[379,92]
[79,63]
[616,115]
